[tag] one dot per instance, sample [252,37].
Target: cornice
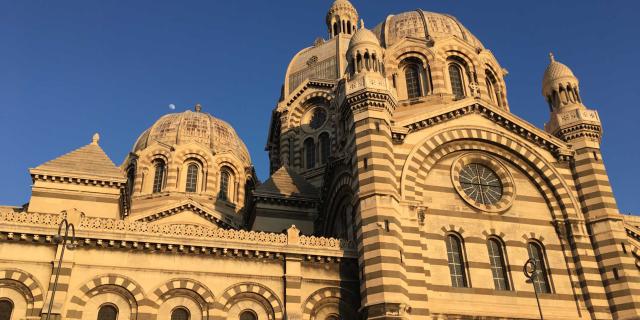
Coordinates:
[561,150]
[314,83]
[103,233]
[37,175]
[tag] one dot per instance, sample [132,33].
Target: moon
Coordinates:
[172,106]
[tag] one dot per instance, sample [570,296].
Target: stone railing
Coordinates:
[292,236]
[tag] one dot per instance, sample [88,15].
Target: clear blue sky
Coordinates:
[72,68]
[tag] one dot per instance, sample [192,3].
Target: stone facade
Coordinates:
[401,187]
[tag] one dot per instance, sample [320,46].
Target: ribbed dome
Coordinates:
[364,35]
[201,127]
[339,6]
[419,24]
[556,70]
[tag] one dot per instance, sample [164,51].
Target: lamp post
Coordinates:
[530,271]
[61,238]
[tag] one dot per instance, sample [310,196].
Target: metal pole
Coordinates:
[530,271]
[59,238]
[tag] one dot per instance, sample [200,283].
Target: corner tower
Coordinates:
[368,107]
[574,123]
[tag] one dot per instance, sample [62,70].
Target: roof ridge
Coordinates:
[87,161]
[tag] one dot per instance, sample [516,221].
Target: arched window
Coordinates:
[540,280]
[6,308]
[457,85]
[492,88]
[180,313]
[412,78]
[333,317]
[309,153]
[131,177]
[159,176]
[108,312]
[456,261]
[325,147]
[498,265]
[248,315]
[349,27]
[225,179]
[192,178]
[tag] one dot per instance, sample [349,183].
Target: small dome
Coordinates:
[364,36]
[342,6]
[555,71]
[201,127]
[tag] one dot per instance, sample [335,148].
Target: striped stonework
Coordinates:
[620,276]
[254,292]
[194,290]
[111,283]
[327,301]
[27,285]
[383,285]
[577,250]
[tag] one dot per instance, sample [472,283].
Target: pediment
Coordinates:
[186,212]
[560,149]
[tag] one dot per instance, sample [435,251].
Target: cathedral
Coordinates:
[401,187]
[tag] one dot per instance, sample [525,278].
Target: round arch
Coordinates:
[27,286]
[251,290]
[112,284]
[338,300]
[192,289]
[426,153]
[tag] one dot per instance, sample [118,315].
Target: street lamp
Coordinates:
[61,238]
[530,271]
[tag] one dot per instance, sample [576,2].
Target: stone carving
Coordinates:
[178,230]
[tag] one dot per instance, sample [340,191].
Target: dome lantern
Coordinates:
[342,18]
[560,87]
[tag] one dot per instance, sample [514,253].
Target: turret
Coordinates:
[341,18]
[570,119]
[364,54]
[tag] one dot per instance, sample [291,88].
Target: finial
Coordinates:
[198,107]
[361,23]
[551,57]
[95,139]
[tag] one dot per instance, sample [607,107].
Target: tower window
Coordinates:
[192,178]
[108,312]
[225,178]
[6,309]
[540,280]
[498,265]
[325,147]
[310,153]
[159,176]
[412,76]
[456,261]
[457,87]
[180,313]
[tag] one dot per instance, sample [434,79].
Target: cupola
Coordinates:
[365,53]
[560,87]
[342,18]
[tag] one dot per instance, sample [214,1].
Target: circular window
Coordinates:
[483,182]
[315,118]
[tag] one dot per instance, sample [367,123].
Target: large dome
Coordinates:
[189,126]
[419,24]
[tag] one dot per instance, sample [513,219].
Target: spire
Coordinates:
[551,57]
[198,107]
[361,23]
[95,138]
